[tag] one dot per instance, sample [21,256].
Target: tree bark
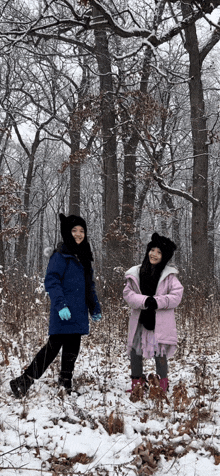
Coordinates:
[2,253]
[129,184]
[175,227]
[41,240]
[200,261]
[22,248]
[76,122]
[74,197]
[110,170]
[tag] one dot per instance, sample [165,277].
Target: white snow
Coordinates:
[51,433]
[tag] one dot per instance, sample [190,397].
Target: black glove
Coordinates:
[151,303]
[148,315]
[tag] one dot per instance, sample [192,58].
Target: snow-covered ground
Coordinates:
[98,430]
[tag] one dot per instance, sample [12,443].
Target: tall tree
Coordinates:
[109,146]
[25,218]
[200,255]
[31,29]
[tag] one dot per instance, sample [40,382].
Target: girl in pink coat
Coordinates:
[153,291]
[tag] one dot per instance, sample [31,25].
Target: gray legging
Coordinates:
[137,365]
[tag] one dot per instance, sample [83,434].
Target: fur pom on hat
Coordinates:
[166,246]
[48,251]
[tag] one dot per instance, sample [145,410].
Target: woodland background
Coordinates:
[110,109]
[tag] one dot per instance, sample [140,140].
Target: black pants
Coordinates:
[137,365]
[70,344]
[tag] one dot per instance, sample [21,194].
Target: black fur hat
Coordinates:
[68,223]
[83,250]
[166,246]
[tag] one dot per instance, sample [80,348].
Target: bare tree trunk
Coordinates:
[214,206]
[128,202]
[200,260]
[129,184]
[22,245]
[163,207]
[2,253]
[175,226]
[22,248]
[4,138]
[74,198]
[41,241]
[74,133]
[111,202]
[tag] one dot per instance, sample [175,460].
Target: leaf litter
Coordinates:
[99,429]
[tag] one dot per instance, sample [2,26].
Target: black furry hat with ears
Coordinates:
[68,223]
[83,250]
[150,275]
[166,246]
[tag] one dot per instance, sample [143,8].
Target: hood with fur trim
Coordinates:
[135,272]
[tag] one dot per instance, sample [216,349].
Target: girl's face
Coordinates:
[78,234]
[155,256]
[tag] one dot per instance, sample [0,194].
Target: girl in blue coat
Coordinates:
[69,283]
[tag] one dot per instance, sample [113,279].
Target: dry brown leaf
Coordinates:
[137,394]
[180,397]
[149,458]
[217,459]
[157,393]
[113,424]
[144,418]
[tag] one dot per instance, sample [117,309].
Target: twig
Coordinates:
[11,451]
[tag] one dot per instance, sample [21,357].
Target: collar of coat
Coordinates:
[134,272]
[49,251]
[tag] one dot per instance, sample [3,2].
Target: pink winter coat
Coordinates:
[168,295]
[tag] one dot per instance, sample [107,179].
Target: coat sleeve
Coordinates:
[173,297]
[53,281]
[134,299]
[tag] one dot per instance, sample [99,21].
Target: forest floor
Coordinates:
[98,430]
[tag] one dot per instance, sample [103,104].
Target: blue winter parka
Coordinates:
[65,284]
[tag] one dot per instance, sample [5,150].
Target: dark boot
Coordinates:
[138,381]
[65,380]
[138,387]
[21,385]
[164,384]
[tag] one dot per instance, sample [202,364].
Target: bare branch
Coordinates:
[63,25]
[174,191]
[142,32]
[213,40]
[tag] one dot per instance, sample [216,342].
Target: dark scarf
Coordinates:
[81,251]
[150,275]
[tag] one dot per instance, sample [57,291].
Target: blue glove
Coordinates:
[96,317]
[65,314]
